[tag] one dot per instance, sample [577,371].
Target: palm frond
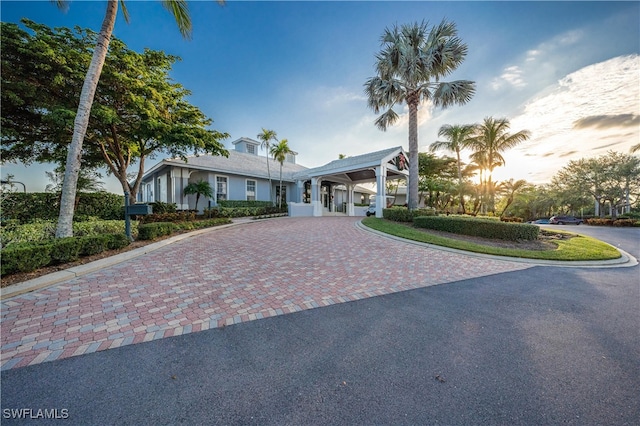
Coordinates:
[180,11]
[386,119]
[456,92]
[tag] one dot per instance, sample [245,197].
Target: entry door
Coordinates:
[325,199]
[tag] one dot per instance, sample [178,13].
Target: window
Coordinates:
[251,190]
[251,149]
[221,188]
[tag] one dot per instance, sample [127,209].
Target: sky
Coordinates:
[569,72]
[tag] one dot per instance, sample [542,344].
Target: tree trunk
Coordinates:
[412,102]
[74,154]
[461,209]
[269,174]
[280,199]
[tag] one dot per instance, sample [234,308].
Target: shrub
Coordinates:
[94,244]
[244,203]
[625,222]
[150,231]
[25,257]
[168,217]
[402,214]
[159,207]
[41,230]
[65,250]
[478,227]
[46,206]
[117,241]
[511,219]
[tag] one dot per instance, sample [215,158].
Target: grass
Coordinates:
[578,248]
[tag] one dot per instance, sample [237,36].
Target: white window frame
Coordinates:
[226,194]
[246,189]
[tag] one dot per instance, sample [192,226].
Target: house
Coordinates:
[244,175]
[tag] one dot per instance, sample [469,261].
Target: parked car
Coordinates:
[540,222]
[371,211]
[565,220]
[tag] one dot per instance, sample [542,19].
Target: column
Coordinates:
[381,196]
[350,208]
[315,196]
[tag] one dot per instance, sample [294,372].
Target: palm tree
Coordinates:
[279,152]
[492,138]
[202,187]
[413,60]
[179,9]
[458,138]
[266,137]
[510,188]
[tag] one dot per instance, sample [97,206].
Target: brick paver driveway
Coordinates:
[223,277]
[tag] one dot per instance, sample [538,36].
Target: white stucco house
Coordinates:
[330,189]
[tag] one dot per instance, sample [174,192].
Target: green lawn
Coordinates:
[574,249]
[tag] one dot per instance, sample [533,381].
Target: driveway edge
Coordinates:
[625,260]
[80,270]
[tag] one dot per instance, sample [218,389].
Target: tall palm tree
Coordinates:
[202,187]
[179,9]
[279,152]
[491,139]
[458,138]
[266,137]
[413,60]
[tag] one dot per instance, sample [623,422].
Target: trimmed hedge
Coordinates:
[150,231]
[232,204]
[611,222]
[27,257]
[46,206]
[43,231]
[167,217]
[479,227]
[403,214]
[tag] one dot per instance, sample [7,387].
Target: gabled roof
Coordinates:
[238,163]
[360,168]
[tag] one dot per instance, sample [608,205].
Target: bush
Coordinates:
[65,250]
[402,214]
[150,231]
[232,204]
[46,206]
[479,227]
[511,219]
[40,230]
[168,217]
[159,207]
[610,222]
[25,257]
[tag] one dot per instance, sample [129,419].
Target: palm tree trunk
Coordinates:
[412,102]
[461,209]
[74,155]
[280,199]
[269,174]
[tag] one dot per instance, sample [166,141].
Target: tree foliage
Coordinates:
[138,110]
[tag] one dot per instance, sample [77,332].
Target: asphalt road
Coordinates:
[542,346]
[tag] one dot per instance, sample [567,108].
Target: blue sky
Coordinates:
[299,68]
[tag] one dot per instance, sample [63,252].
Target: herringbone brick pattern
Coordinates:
[220,278]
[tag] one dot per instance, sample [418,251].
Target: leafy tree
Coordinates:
[458,137]
[413,61]
[138,111]
[266,137]
[279,153]
[491,139]
[611,178]
[179,10]
[202,187]
[88,181]
[437,180]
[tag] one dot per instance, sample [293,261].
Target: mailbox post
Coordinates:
[133,209]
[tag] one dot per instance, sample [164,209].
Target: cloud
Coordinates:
[609,145]
[607,121]
[511,75]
